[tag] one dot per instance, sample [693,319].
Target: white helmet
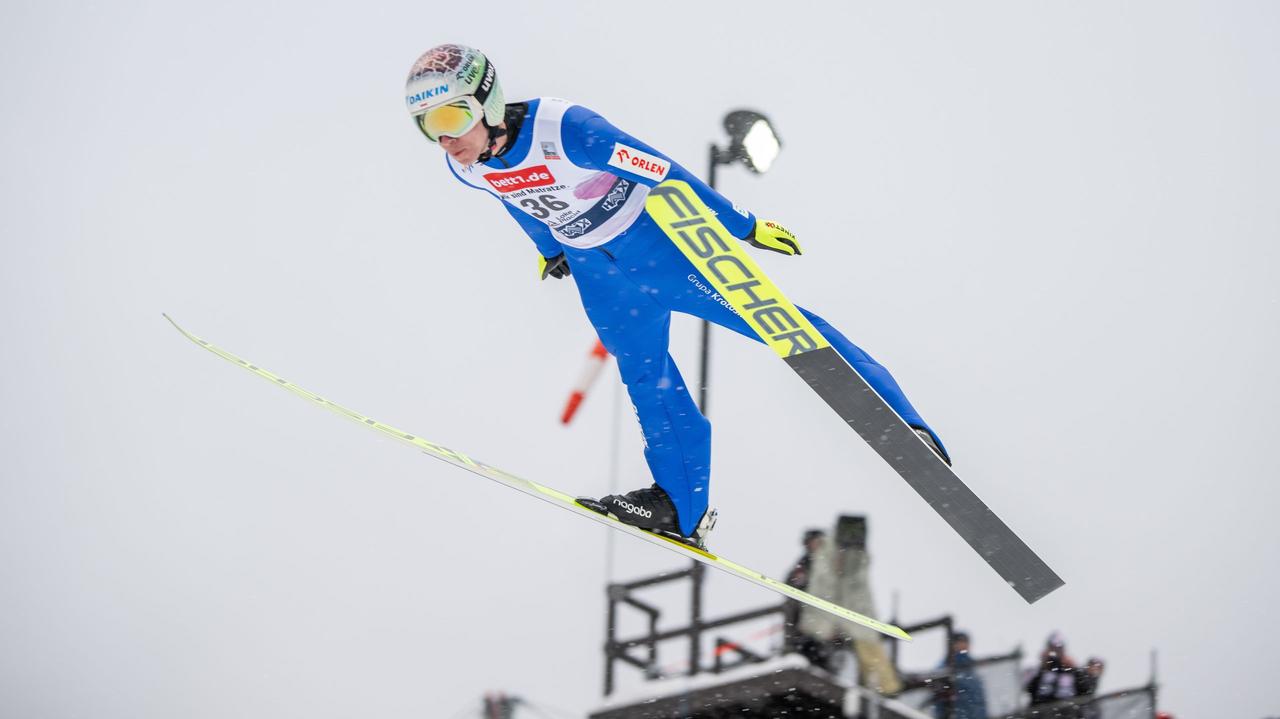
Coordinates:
[461,78]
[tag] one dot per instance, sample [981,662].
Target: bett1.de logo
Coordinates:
[536,176]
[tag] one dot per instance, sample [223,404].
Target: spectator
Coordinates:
[839,571]
[799,575]
[960,694]
[1087,679]
[1057,644]
[817,651]
[1054,681]
[1087,686]
[853,567]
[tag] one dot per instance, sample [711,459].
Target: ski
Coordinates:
[688,223]
[550,495]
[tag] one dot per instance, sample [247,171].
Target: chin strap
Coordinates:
[495,133]
[513,118]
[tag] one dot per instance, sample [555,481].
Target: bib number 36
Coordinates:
[542,206]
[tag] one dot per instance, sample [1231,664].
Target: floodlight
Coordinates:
[752,140]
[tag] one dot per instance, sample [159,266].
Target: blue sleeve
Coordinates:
[589,139]
[538,232]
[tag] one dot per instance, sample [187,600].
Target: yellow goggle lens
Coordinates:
[451,120]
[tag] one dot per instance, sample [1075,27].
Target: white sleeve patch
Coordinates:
[639,162]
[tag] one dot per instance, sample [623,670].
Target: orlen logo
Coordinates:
[536,176]
[638,162]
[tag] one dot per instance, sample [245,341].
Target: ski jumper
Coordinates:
[577,185]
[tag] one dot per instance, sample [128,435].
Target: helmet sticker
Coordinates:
[442,59]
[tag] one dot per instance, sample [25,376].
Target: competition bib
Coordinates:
[583,207]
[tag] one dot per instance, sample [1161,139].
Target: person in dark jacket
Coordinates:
[1087,679]
[960,695]
[1053,682]
[817,651]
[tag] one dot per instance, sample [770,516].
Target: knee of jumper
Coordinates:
[663,404]
[658,389]
[638,370]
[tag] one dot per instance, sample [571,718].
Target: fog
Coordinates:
[1055,223]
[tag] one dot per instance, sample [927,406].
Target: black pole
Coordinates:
[695,620]
[611,635]
[950,707]
[713,161]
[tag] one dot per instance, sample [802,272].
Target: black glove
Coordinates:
[557,267]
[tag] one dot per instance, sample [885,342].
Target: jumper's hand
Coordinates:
[557,267]
[771,236]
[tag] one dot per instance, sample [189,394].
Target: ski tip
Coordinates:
[178,327]
[889,630]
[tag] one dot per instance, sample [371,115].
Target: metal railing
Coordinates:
[1138,703]
[617,649]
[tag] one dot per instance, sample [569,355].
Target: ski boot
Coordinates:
[651,509]
[929,440]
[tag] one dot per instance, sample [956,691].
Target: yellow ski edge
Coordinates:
[551,495]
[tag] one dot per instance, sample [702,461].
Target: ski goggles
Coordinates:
[453,119]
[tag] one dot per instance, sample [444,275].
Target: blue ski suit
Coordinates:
[576,185]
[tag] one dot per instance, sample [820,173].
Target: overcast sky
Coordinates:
[1057,224]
